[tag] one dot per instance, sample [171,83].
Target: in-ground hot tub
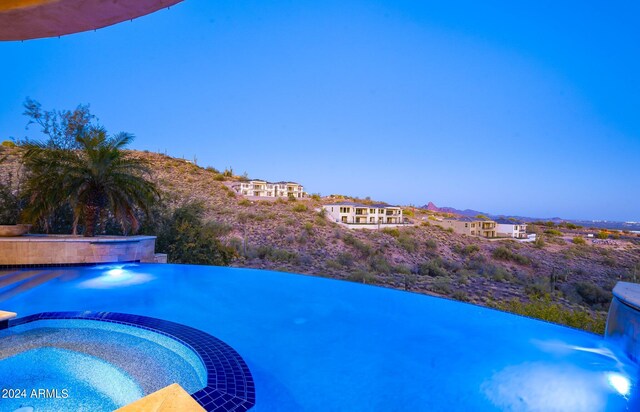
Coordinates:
[103,361]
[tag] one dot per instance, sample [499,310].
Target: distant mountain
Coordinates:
[467,212]
[602,224]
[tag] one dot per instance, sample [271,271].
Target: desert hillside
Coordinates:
[294,236]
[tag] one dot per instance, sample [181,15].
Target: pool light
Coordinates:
[620,383]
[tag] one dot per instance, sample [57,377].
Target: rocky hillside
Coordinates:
[295,236]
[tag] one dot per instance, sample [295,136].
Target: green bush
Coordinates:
[553,232]
[187,238]
[552,312]
[431,244]
[504,253]
[379,264]
[467,250]
[408,243]
[363,277]
[432,268]
[593,294]
[357,244]
[8,143]
[345,259]
[579,240]
[244,202]
[391,232]
[300,207]
[602,235]
[441,285]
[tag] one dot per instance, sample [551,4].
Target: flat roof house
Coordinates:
[511,228]
[263,188]
[471,226]
[361,214]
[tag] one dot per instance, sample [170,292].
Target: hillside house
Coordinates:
[471,226]
[511,228]
[262,188]
[361,214]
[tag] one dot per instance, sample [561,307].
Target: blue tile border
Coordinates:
[230,386]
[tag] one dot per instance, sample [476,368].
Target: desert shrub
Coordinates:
[450,230]
[244,202]
[460,295]
[379,264]
[579,240]
[545,309]
[408,242]
[391,232]
[432,268]
[504,253]
[8,143]
[212,169]
[467,250]
[538,288]
[602,235]
[186,238]
[553,232]
[499,274]
[219,177]
[358,244]
[431,244]
[316,196]
[408,212]
[228,172]
[441,285]
[610,261]
[363,277]
[333,264]
[308,228]
[268,252]
[402,269]
[300,207]
[345,259]
[592,294]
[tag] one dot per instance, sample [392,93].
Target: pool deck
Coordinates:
[171,398]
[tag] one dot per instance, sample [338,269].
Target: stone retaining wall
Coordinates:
[58,249]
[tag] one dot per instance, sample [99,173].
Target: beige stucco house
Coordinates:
[263,188]
[361,214]
[471,226]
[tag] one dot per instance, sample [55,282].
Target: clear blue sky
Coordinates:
[497,106]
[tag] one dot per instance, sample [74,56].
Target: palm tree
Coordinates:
[97,177]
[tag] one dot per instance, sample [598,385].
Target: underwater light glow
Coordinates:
[116,277]
[620,383]
[117,272]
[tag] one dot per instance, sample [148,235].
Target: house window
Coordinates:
[473,225]
[466,225]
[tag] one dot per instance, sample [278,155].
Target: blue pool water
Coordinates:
[324,345]
[67,365]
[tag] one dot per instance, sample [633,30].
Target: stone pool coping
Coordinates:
[230,386]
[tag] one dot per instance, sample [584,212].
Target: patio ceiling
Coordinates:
[33,19]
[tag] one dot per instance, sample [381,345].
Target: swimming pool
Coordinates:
[319,344]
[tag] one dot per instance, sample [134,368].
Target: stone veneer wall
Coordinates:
[623,322]
[54,249]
